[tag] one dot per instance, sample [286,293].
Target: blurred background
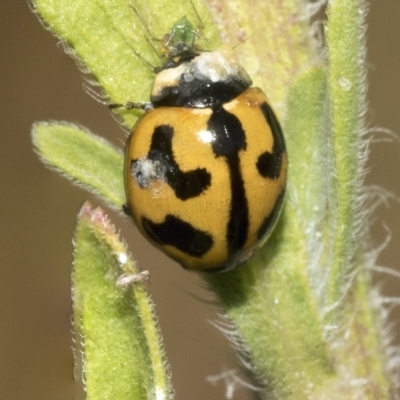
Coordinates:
[38,81]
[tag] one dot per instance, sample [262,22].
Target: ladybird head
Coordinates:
[207,79]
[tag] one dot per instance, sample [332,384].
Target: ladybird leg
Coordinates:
[126,209]
[131,105]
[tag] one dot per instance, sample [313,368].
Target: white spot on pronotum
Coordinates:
[214,66]
[128,278]
[208,66]
[344,83]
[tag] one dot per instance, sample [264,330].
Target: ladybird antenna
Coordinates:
[198,17]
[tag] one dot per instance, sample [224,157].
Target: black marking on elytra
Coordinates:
[230,139]
[180,234]
[186,185]
[270,221]
[269,164]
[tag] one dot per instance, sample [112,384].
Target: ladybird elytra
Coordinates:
[206,167]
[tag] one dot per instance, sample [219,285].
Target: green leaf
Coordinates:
[300,306]
[113,317]
[346,77]
[82,157]
[271,40]
[112,43]
[274,304]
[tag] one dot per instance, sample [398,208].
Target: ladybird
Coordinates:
[206,164]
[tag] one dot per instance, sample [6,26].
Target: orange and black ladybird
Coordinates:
[206,164]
